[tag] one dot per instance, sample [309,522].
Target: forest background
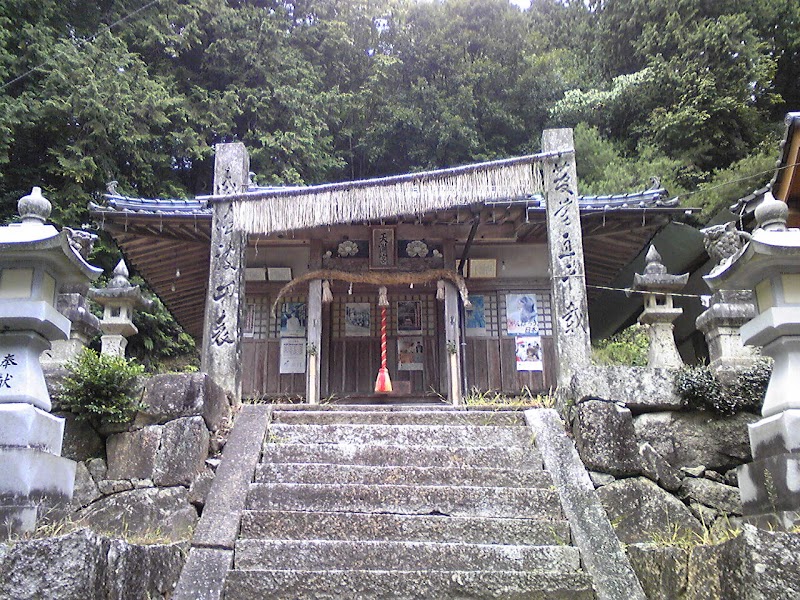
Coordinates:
[692,92]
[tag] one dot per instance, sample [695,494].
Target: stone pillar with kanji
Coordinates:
[565,241]
[221,355]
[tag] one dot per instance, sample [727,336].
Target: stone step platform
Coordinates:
[401,556]
[465,436]
[397,417]
[409,455]
[300,525]
[406,499]
[413,404]
[407,585]
[400,475]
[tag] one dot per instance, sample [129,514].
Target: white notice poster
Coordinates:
[293,355]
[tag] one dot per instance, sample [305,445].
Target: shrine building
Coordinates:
[476,277]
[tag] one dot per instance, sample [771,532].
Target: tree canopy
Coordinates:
[139,91]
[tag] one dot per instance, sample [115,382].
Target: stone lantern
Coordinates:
[770,265]
[659,311]
[36,263]
[119,299]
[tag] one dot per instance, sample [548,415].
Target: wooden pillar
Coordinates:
[314,341]
[222,336]
[453,344]
[565,241]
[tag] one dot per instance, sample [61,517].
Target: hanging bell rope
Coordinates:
[383,383]
[379,278]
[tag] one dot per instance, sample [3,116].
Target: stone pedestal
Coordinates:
[663,353]
[729,310]
[34,477]
[113,344]
[782,391]
[770,485]
[21,377]
[74,306]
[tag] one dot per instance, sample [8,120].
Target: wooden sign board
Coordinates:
[383,248]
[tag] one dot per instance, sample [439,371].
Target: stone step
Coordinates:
[299,525]
[406,499]
[407,585]
[459,435]
[401,556]
[404,417]
[367,407]
[390,454]
[378,475]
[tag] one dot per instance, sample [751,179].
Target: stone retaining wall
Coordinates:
[660,470]
[150,476]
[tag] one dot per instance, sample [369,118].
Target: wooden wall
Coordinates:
[261,374]
[349,365]
[490,364]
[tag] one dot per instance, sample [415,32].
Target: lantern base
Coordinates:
[383,384]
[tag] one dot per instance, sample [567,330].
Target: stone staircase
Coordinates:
[402,504]
[385,502]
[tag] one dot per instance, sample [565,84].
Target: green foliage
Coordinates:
[751,386]
[726,186]
[159,337]
[628,347]
[702,390]
[102,388]
[324,90]
[603,165]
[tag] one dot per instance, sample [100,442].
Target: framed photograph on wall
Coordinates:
[521,315]
[476,316]
[409,316]
[293,319]
[410,353]
[357,319]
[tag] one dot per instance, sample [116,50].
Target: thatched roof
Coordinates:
[275,209]
[161,237]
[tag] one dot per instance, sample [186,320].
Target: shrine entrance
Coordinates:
[351,342]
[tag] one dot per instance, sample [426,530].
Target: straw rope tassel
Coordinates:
[383,383]
[327,296]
